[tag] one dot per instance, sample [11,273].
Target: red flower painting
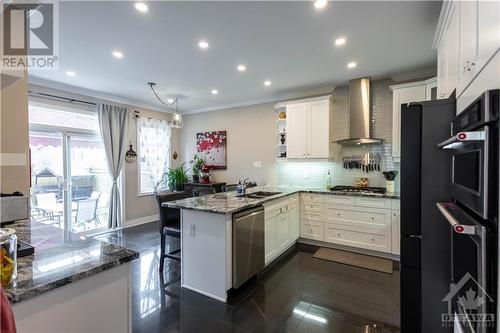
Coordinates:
[212,148]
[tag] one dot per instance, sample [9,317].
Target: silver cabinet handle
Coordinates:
[468,65]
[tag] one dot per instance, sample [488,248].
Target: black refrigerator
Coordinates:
[425,237]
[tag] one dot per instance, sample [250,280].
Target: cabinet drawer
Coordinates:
[358,219]
[377,242]
[312,216]
[312,198]
[373,202]
[312,207]
[312,230]
[340,200]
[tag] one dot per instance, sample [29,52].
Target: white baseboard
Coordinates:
[141,220]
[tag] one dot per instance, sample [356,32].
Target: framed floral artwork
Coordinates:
[211,147]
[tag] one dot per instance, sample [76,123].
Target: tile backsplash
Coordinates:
[314,174]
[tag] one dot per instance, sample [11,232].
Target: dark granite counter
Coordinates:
[229,203]
[59,259]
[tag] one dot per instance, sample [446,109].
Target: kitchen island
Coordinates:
[207,233]
[58,287]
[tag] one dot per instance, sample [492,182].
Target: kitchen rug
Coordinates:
[355,259]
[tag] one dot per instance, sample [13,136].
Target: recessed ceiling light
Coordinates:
[170,101]
[203,44]
[267,83]
[70,73]
[214,91]
[351,65]
[117,54]
[319,4]
[241,68]
[141,6]
[340,41]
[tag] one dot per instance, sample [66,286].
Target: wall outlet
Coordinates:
[192,230]
[257,164]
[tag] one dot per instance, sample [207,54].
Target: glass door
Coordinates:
[89,183]
[70,180]
[47,178]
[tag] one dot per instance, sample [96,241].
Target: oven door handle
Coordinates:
[457,226]
[461,137]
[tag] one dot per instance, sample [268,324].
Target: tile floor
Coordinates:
[299,294]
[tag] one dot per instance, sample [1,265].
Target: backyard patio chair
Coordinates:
[85,211]
[44,208]
[102,207]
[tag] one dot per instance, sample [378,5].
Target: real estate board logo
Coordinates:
[30,35]
[467,305]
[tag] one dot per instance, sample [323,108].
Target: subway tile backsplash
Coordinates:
[314,174]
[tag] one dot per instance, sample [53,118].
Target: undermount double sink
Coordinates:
[260,194]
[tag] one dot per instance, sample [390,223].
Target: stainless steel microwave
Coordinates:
[475,144]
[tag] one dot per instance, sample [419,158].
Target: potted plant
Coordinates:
[177,177]
[196,168]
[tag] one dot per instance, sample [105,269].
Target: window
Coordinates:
[153,141]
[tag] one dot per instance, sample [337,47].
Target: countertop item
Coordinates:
[60,258]
[229,203]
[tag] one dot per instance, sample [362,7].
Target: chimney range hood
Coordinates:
[359,114]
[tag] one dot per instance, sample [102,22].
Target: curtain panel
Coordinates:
[113,123]
[154,137]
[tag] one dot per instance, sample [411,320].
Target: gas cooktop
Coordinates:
[354,189]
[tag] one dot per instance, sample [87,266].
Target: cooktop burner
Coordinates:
[354,189]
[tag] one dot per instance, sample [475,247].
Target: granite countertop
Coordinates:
[229,203]
[60,258]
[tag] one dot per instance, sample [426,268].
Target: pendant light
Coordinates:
[177,121]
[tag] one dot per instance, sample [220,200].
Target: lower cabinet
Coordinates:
[281,227]
[368,223]
[396,231]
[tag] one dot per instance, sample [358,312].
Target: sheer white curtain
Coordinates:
[154,146]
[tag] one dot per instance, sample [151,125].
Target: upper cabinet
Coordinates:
[467,37]
[308,126]
[404,94]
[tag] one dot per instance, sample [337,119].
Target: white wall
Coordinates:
[251,136]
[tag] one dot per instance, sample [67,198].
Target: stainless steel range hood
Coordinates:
[359,114]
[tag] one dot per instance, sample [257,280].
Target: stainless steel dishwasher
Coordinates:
[248,244]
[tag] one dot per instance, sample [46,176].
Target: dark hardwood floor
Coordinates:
[299,294]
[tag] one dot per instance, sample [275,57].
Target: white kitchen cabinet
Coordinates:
[282,231]
[467,37]
[270,242]
[281,226]
[468,43]
[403,94]
[488,30]
[296,130]
[293,218]
[308,128]
[318,127]
[396,230]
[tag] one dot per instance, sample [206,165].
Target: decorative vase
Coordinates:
[196,178]
[282,115]
[390,186]
[282,138]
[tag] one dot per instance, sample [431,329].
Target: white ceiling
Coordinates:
[287,42]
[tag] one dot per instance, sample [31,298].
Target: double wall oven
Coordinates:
[473,215]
